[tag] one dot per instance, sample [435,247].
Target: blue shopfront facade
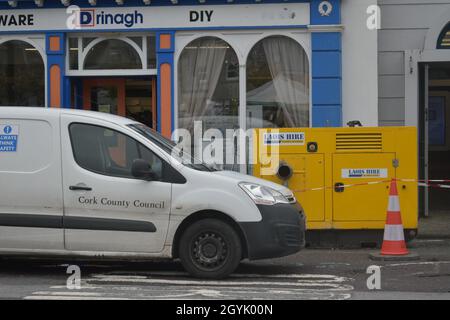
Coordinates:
[69,36]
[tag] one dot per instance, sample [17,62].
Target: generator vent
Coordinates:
[367,141]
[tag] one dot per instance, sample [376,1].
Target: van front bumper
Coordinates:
[281,232]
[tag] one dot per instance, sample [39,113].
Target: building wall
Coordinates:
[405,25]
[359,64]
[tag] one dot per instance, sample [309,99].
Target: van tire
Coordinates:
[210,249]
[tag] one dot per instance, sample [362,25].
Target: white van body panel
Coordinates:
[211,191]
[30,181]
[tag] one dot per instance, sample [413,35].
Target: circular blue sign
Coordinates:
[7,130]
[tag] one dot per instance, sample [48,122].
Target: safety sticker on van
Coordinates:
[285,138]
[9,135]
[365,173]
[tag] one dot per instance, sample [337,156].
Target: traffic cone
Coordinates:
[394,237]
[394,245]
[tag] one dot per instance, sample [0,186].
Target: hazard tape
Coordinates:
[420,183]
[424,181]
[344,186]
[428,183]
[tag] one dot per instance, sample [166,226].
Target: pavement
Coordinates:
[311,274]
[436,226]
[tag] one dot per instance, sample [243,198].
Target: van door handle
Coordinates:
[76,188]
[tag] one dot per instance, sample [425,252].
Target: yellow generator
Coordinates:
[341,177]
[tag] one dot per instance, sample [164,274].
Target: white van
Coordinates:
[88,184]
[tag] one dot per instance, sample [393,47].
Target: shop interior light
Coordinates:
[230,1]
[93,2]
[65,3]
[147,2]
[39,3]
[174,1]
[119,2]
[201,1]
[12,3]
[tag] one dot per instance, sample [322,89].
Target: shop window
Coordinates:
[73,53]
[17,86]
[86,41]
[112,54]
[444,38]
[208,85]
[90,55]
[277,84]
[151,52]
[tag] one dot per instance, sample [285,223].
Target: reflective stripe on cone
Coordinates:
[394,237]
[393,233]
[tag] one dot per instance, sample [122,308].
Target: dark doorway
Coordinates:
[439,133]
[434,137]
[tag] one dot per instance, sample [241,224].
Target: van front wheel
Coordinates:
[210,249]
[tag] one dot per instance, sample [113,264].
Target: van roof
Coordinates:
[42,112]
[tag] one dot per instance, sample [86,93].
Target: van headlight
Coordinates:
[263,195]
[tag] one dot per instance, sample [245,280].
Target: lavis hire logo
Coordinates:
[89,18]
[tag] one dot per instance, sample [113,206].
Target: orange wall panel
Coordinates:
[55,86]
[164,41]
[54,43]
[166,100]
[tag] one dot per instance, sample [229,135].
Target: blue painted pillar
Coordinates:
[326,65]
[58,85]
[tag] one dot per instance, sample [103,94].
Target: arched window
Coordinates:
[277,84]
[208,90]
[22,75]
[444,38]
[208,85]
[112,54]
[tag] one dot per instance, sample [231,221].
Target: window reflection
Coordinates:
[444,38]
[277,84]
[19,88]
[112,54]
[208,75]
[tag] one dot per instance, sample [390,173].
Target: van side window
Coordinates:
[109,152]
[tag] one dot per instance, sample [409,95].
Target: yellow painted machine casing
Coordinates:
[360,207]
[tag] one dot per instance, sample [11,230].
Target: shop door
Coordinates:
[104,95]
[131,98]
[362,202]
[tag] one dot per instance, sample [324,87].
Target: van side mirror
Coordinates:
[141,169]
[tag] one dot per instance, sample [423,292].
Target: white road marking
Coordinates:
[417,263]
[326,277]
[172,285]
[71,298]
[303,283]
[67,293]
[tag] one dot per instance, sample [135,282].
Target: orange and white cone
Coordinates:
[394,237]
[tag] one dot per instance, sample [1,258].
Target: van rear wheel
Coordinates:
[210,249]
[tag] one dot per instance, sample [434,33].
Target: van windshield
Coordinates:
[170,147]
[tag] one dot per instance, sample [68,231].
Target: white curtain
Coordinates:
[200,66]
[289,69]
